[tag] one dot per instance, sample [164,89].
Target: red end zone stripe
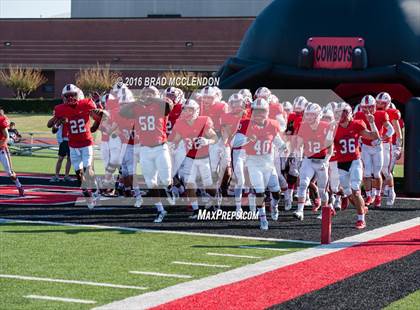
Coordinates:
[286,283]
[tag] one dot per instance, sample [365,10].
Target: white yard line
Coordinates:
[155,230]
[200,264]
[158,274]
[79,301]
[261,248]
[153,299]
[232,255]
[28,278]
[407,198]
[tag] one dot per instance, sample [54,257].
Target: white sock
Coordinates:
[238,198]
[274,203]
[261,211]
[194,205]
[17,183]
[159,207]
[252,200]
[369,193]
[301,206]
[361,217]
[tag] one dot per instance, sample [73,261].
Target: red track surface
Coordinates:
[38,195]
[289,282]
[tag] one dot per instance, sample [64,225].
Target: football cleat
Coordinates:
[170,197]
[263,222]
[378,201]
[287,205]
[21,191]
[194,215]
[337,203]
[91,202]
[368,200]
[67,179]
[160,216]
[298,215]
[391,198]
[139,201]
[360,224]
[274,213]
[344,203]
[54,179]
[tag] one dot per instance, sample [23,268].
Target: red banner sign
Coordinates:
[334,52]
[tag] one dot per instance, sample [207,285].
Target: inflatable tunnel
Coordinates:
[352,47]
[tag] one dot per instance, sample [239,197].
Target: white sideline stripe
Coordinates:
[200,264]
[261,248]
[171,293]
[154,230]
[158,274]
[232,255]
[408,198]
[79,301]
[12,276]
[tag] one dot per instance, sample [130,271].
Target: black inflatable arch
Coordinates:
[271,55]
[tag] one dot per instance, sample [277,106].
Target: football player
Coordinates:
[213,107]
[372,151]
[347,152]
[76,113]
[315,137]
[383,102]
[197,133]
[257,136]
[230,125]
[333,177]
[5,158]
[293,123]
[151,114]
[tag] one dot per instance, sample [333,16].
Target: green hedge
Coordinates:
[29,105]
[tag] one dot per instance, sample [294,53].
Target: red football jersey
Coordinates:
[172,117]
[215,113]
[231,121]
[191,133]
[150,125]
[394,115]
[380,118]
[78,120]
[275,109]
[394,137]
[261,136]
[293,123]
[314,140]
[4,124]
[346,141]
[125,128]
